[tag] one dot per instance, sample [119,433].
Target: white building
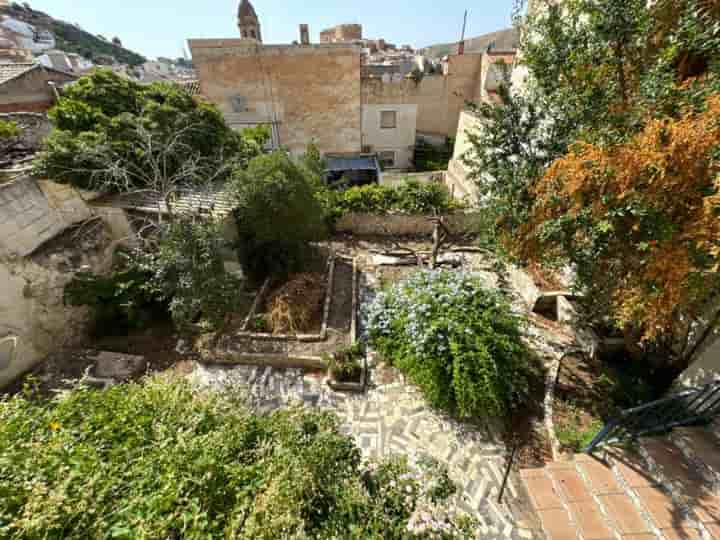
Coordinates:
[28,37]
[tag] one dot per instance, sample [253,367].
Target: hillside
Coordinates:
[72,39]
[502,40]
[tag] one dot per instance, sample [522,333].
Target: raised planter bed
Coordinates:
[262,297]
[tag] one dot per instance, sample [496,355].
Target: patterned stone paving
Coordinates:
[392,419]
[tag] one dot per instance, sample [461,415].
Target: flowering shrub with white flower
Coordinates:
[459,342]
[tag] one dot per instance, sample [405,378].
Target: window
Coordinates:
[388,119]
[387,159]
[252,34]
[239,104]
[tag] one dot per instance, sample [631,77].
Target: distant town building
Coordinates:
[30,87]
[10,50]
[27,36]
[342,33]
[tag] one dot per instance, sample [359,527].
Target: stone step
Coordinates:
[701,448]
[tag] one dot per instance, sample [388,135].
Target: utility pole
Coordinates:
[461,45]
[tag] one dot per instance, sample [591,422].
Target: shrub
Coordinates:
[457,341]
[344,365]
[178,270]
[277,214]
[411,197]
[156,461]
[8,130]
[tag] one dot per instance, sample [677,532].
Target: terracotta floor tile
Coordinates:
[601,477]
[643,536]
[663,511]
[557,525]
[592,523]
[713,529]
[635,473]
[542,492]
[531,473]
[572,485]
[674,465]
[624,514]
[682,533]
[706,507]
[703,444]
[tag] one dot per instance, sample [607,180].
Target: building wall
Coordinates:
[440,98]
[457,180]
[40,251]
[312,93]
[341,33]
[400,140]
[30,92]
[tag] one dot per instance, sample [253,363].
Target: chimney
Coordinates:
[304,34]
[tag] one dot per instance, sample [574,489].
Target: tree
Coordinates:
[639,221]
[114,135]
[620,87]
[277,213]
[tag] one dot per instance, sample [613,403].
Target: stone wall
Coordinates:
[33,127]
[457,180]
[400,224]
[33,212]
[34,321]
[310,93]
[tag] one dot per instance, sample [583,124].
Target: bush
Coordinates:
[156,461]
[178,270]
[345,365]
[411,197]
[457,341]
[277,214]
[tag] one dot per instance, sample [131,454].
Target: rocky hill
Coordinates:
[70,38]
[502,40]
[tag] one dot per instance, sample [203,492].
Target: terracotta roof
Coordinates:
[12,71]
[215,201]
[9,72]
[191,87]
[246,9]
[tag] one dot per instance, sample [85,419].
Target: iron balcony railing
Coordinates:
[694,406]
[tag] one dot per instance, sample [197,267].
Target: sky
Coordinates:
[161,27]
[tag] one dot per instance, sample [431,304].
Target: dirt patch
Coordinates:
[61,370]
[297,306]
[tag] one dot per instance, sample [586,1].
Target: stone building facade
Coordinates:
[320,93]
[307,93]
[342,33]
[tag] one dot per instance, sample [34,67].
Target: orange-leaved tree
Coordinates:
[640,221]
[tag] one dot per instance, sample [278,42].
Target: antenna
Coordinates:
[461,45]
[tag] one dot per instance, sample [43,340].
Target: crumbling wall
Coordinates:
[33,318]
[401,224]
[33,212]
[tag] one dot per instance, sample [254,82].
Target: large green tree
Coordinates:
[112,134]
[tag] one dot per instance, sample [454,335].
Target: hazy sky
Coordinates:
[160,27]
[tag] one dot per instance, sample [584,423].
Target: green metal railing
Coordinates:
[694,406]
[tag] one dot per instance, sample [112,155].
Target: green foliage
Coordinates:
[457,341]
[120,301]
[157,461]
[344,365]
[411,197]
[277,214]
[8,130]
[428,157]
[575,438]
[112,134]
[178,271]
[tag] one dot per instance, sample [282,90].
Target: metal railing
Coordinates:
[694,406]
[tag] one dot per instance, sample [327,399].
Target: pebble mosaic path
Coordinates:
[388,419]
